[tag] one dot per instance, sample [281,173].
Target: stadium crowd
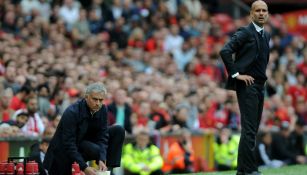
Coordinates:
[158,59]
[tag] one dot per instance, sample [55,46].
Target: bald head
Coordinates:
[257,2]
[259,12]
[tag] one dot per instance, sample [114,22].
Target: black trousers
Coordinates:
[250,99]
[90,150]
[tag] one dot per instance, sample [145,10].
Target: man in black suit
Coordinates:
[83,134]
[247,77]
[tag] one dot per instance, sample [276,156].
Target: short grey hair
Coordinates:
[96,87]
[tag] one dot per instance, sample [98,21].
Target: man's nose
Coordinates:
[98,102]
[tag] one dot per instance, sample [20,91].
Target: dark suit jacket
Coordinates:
[69,134]
[246,47]
[112,108]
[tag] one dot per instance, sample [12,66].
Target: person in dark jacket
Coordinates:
[83,134]
[38,155]
[297,142]
[281,147]
[264,152]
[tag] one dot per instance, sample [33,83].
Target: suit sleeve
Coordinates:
[69,135]
[235,44]
[103,135]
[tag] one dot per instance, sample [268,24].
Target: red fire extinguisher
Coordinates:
[3,167]
[10,168]
[75,169]
[20,169]
[31,168]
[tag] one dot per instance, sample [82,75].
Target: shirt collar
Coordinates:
[258,29]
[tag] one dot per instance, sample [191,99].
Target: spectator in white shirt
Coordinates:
[29,5]
[69,12]
[173,40]
[34,125]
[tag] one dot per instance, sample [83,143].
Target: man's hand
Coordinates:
[249,80]
[102,166]
[90,171]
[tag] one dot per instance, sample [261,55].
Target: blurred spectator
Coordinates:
[180,156]
[9,80]
[38,155]
[142,157]
[169,103]
[264,152]
[298,89]
[81,29]
[225,150]
[301,109]
[29,5]
[303,65]
[118,35]
[18,100]
[192,102]
[194,7]
[173,40]
[136,38]
[204,66]
[180,118]
[160,117]
[5,110]
[297,141]
[69,12]
[281,147]
[95,23]
[117,9]
[141,118]
[34,126]
[9,23]
[43,100]
[44,9]
[120,111]
[13,127]
[184,55]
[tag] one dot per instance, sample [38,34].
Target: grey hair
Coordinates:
[96,87]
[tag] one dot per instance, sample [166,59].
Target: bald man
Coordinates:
[247,77]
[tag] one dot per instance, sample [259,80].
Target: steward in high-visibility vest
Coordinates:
[180,157]
[142,157]
[226,150]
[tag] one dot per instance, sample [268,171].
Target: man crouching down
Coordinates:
[83,135]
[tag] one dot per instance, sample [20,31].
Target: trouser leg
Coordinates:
[89,150]
[116,140]
[250,100]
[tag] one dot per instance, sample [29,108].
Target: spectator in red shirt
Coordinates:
[298,89]
[136,38]
[18,100]
[207,67]
[5,99]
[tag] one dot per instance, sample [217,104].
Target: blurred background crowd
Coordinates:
[159,60]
